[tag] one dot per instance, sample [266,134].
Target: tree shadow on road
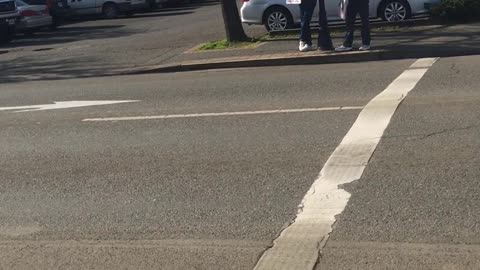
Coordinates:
[158,14]
[180,8]
[69,33]
[31,69]
[443,40]
[192,3]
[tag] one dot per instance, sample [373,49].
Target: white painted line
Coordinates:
[64,105]
[169,116]
[298,246]
[422,63]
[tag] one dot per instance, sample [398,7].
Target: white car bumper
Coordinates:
[34,22]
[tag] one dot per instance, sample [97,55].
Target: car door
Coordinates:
[331,6]
[332,9]
[82,7]
[374,8]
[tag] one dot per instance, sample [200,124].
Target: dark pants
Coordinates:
[324,39]
[357,7]
[306,13]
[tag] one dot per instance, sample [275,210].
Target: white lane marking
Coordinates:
[422,63]
[298,246]
[64,105]
[168,116]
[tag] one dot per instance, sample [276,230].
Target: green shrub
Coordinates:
[458,10]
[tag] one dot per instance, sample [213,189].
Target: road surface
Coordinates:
[169,180]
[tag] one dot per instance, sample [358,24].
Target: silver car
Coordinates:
[277,15]
[32,17]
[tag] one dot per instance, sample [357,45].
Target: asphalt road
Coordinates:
[213,192]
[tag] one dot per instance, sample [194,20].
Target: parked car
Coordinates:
[32,17]
[8,17]
[59,9]
[173,3]
[277,15]
[110,9]
[153,4]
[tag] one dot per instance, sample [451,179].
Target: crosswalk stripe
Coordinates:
[299,245]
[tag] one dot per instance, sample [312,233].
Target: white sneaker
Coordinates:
[343,49]
[306,48]
[364,48]
[301,45]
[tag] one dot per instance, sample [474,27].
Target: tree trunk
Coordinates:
[233,24]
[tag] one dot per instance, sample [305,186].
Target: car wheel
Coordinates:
[395,10]
[110,11]
[277,19]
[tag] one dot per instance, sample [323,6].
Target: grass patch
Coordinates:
[225,45]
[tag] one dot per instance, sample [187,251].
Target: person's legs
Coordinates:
[302,23]
[364,15]
[352,11]
[324,38]
[306,13]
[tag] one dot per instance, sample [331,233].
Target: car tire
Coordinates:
[395,10]
[110,11]
[277,19]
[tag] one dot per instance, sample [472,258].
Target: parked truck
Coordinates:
[8,17]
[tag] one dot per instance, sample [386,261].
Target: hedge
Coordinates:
[458,10]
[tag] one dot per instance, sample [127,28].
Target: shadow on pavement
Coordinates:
[192,3]
[181,8]
[441,40]
[158,14]
[69,33]
[30,69]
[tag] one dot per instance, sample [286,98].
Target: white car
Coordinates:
[32,17]
[277,15]
[110,9]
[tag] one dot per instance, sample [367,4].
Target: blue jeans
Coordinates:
[306,12]
[357,7]
[324,39]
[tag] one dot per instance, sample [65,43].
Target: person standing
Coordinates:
[306,12]
[355,7]
[307,8]
[324,38]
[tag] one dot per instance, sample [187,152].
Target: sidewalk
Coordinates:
[135,47]
[388,43]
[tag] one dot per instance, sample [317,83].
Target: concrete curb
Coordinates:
[258,61]
[311,58]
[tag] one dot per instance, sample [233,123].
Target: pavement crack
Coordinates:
[415,137]
[448,131]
